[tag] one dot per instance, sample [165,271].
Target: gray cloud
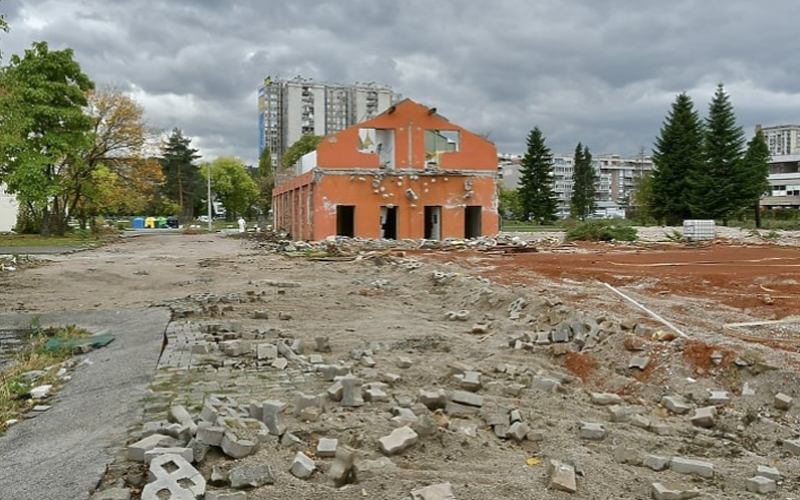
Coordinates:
[603,73]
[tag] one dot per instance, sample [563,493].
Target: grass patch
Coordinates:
[601,230]
[80,239]
[15,386]
[526,227]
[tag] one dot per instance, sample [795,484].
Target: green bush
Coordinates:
[601,230]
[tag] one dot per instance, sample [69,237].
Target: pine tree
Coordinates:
[184,183]
[756,166]
[537,196]
[678,160]
[584,180]
[721,186]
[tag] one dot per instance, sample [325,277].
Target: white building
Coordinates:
[784,166]
[616,176]
[8,210]
[290,109]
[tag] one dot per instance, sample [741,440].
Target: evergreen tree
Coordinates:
[584,189]
[721,186]
[678,160]
[183,181]
[756,166]
[537,196]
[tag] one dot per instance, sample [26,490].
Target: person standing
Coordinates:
[242,225]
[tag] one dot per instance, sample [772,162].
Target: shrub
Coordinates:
[601,230]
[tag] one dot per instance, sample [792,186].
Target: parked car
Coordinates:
[203,218]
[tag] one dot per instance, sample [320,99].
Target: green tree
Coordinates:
[4,29]
[510,206]
[678,160]
[265,180]
[537,197]
[721,186]
[232,185]
[756,166]
[304,145]
[642,198]
[183,182]
[584,180]
[44,132]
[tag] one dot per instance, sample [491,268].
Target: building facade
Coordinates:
[289,109]
[407,173]
[616,179]
[784,166]
[8,210]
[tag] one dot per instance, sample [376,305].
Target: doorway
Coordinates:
[433,223]
[389,223]
[472,221]
[346,220]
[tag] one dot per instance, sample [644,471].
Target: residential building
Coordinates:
[406,173]
[8,210]
[616,175]
[289,109]
[784,166]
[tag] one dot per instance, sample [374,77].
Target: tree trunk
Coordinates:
[758,215]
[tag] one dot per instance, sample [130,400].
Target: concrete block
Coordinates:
[467,398]
[199,450]
[518,431]
[404,362]
[792,447]
[605,399]
[404,416]
[593,431]
[210,435]
[226,495]
[185,453]
[719,398]
[112,494]
[783,402]
[639,421]
[176,476]
[656,462]
[237,447]
[398,441]
[209,413]
[674,491]
[302,466]
[639,362]
[342,470]
[442,491]
[137,450]
[471,381]
[375,395]
[433,400]
[330,372]
[271,411]
[266,351]
[562,477]
[179,415]
[280,363]
[515,416]
[704,417]
[326,448]
[335,391]
[617,413]
[351,391]
[761,485]
[251,476]
[676,404]
[390,378]
[689,466]
[303,401]
[545,384]
[323,344]
[625,455]
[366,469]
[768,472]
[368,362]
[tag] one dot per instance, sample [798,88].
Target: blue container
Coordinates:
[138,223]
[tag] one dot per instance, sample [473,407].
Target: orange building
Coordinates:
[407,173]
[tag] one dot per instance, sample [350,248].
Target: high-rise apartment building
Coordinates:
[290,109]
[784,166]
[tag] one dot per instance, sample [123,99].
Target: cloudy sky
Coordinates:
[601,72]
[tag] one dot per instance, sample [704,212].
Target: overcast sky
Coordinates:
[603,72]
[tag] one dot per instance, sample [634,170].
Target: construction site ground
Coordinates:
[732,306]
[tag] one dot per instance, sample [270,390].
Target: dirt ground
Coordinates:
[396,303]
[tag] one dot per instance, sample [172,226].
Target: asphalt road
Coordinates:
[63,453]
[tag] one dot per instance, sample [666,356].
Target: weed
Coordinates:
[601,230]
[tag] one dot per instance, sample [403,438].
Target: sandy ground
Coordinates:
[394,303]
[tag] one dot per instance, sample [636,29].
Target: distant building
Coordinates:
[8,210]
[384,179]
[784,166]
[617,178]
[289,109]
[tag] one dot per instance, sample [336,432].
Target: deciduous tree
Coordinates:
[584,180]
[232,185]
[536,191]
[678,160]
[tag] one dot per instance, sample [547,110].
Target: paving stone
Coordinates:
[335,391]
[747,390]
[792,447]
[199,450]
[674,491]
[625,455]
[605,399]
[326,448]
[271,412]
[302,466]
[266,351]
[366,469]
[404,362]
[639,421]
[351,391]
[185,453]
[656,462]
[404,416]
[761,485]
[210,435]
[280,363]
[250,476]
[676,404]
[617,413]
[592,431]
[303,401]
[562,477]
[398,441]
[783,402]
[433,400]
[704,417]
[179,415]
[226,495]
[639,362]
[390,378]
[137,450]
[515,416]
[237,447]
[719,398]
[342,469]
[41,392]
[518,431]
[368,361]
[175,475]
[442,491]
[690,466]
[545,384]
[112,494]
[768,472]
[470,381]
[467,398]
[330,372]
[375,395]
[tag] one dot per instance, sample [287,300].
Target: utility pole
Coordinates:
[209,197]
